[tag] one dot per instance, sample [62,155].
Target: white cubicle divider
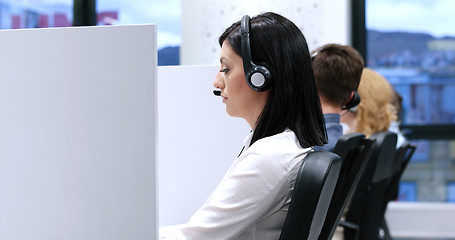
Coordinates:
[421,220]
[77,133]
[197,140]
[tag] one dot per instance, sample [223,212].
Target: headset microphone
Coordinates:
[217,92]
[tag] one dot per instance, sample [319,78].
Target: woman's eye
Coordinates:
[224,70]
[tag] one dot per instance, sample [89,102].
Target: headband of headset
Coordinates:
[258,77]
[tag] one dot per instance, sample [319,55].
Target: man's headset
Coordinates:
[258,77]
[355,100]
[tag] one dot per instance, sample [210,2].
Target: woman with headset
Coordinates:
[265,78]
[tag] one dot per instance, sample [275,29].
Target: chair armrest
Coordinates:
[351,226]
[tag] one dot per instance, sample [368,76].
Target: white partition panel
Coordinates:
[421,220]
[197,140]
[77,133]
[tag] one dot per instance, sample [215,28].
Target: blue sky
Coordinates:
[165,13]
[435,17]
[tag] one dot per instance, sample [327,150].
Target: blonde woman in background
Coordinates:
[375,111]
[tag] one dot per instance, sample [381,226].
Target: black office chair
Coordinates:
[402,158]
[354,150]
[313,190]
[364,214]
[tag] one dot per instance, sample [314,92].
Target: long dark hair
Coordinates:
[293,100]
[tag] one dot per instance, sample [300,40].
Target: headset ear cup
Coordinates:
[355,100]
[259,78]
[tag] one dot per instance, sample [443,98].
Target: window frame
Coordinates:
[84,13]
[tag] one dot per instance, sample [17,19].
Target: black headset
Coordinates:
[355,100]
[258,77]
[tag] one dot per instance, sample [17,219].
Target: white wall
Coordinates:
[197,140]
[203,21]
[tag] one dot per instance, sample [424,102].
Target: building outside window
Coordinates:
[412,44]
[451,192]
[15,14]
[166,14]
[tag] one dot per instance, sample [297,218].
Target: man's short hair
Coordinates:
[337,70]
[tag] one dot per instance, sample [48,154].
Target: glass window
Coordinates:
[35,14]
[412,43]
[422,152]
[59,13]
[451,192]
[407,191]
[431,167]
[166,14]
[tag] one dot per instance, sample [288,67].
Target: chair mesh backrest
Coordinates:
[354,150]
[313,190]
[365,207]
[402,158]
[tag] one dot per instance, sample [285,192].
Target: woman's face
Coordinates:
[240,99]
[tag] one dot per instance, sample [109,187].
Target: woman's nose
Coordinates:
[218,82]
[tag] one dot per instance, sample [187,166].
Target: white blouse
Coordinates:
[252,199]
